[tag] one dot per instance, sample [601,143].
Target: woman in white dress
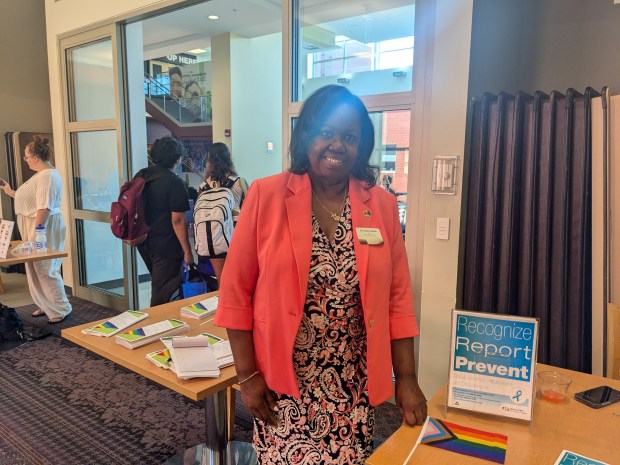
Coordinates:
[37,202]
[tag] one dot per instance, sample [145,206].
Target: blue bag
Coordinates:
[194,283]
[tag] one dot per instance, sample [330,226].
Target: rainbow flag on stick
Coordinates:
[465,441]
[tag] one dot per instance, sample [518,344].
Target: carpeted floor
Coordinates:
[83,312]
[64,405]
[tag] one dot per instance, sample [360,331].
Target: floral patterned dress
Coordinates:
[332,422]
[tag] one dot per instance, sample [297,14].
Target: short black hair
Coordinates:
[167,151]
[175,70]
[314,112]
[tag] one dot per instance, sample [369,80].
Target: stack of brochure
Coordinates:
[221,349]
[116,324]
[193,357]
[161,358]
[201,309]
[147,334]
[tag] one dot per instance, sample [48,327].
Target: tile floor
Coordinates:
[16,291]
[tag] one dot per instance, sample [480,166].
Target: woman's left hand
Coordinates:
[410,400]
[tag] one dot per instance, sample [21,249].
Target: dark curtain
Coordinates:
[528,217]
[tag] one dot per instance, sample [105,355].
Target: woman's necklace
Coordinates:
[338,214]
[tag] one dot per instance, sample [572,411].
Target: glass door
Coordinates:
[94,135]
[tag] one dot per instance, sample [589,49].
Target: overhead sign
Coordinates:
[492,363]
[178,59]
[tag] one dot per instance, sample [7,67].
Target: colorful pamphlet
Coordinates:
[213,339]
[161,358]
[571,458]
[200,310]
[114,325]
[222,350]
[147,334]
[464,440]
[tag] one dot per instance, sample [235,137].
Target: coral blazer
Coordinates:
[265,279]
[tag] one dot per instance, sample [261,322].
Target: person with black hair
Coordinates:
[37,202]
[165,203]
[316,295]
[220,173]
[176,82]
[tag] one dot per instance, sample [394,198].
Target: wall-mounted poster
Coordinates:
[492,364]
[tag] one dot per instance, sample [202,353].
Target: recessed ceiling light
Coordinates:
[213,17]
[197,51]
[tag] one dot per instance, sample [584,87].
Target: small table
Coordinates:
[573,426]
[33,257]
[213,390]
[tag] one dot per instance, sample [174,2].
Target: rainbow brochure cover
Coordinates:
[492,364]
[213,339]
[571,458]
[161,358]
[464,440]
[200,310]
[221,349]
[116,324]
[147,334]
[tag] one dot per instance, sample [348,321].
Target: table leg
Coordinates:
[216,431]
[1,285]
[217,450]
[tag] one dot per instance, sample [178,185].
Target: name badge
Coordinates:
[370,236]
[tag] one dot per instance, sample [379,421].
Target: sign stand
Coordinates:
[6,232]
[493,365]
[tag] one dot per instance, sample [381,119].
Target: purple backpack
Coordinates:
[127,213]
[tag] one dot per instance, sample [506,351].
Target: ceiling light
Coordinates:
[197,51]
[213,17]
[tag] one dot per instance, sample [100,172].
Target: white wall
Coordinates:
[24,86]
[256,102]
[445,114]
[221,86]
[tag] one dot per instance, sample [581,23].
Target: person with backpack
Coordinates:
[37,202]
[165,202]
[217,207]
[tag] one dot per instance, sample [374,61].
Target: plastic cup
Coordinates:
[553,386]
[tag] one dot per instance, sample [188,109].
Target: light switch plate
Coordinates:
[443,229]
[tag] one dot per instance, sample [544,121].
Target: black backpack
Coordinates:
[11,326]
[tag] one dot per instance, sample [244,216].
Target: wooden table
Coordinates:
[593,433]
[33,257]
[213,390]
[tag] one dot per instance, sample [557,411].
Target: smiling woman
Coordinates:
[318,313]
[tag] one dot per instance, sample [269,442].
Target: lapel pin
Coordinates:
[367,213]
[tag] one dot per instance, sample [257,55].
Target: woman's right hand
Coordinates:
[259,400]
[5,187]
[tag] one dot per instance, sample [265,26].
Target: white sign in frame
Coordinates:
[493,364]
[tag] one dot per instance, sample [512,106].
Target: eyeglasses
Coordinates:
[26,158]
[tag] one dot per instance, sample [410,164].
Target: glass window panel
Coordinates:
[101,266]
[364,43]
[96,172]
[391,154]
[91,81]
